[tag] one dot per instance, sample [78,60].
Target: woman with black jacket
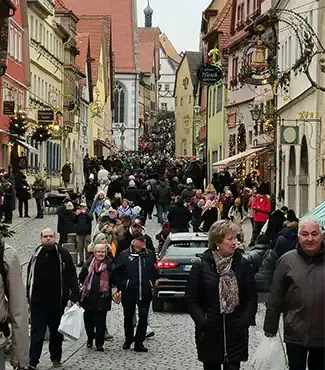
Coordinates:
[222,300]
[179,217]
[96,294]
[65,221]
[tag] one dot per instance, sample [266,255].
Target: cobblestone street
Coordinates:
[172,347]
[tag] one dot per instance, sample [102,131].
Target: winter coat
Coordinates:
[124,211]
[66,172]
[95,300]
[22,191]
[188,193]
[263,260]
[286,241]
[15,308]
[179,218]
[39,188]
[133,195]
[204,307]
[125,244]
[226,205]
[90,190]
[113,188]
[135,274]
[163,193]
[298,292]
[209,217]
[82,223]
[275,224]
[68,282]
[262,208]
[65,221]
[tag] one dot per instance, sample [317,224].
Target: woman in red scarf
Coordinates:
[96,294]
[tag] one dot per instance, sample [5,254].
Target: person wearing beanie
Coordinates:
[90,190]
[189,191]
[122,230]
[124,209]
[132,194]
[65,221]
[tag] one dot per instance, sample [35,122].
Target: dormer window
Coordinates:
[240,15]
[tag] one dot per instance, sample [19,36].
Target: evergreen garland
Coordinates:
[18,125]
[42,132]
[241,138]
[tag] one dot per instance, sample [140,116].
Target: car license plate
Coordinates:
[187,268]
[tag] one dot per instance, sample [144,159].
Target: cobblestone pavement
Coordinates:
[172,347]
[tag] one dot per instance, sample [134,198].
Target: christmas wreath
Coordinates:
[18,125]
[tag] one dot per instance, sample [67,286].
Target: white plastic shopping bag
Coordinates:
[270,355]
[72,323]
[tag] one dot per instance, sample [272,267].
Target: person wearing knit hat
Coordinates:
[131,184]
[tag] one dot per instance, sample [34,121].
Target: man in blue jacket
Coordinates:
[135,275]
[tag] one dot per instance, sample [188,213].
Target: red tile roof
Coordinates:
[83,40]
[149,44]
[121,12]
[98,28]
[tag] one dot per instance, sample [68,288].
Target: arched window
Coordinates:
[119,103]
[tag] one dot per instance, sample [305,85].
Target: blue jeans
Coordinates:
[163,210]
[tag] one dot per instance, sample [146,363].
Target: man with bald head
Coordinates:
[298,291]
[51,283]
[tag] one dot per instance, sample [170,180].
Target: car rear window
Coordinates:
[187,248]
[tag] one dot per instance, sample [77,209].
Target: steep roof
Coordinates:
[194,59]
[98,28]
[169,49]
[146,51]
[83,40]
[148,46]
[122,14]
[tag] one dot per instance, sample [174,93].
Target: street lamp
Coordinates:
[257,115]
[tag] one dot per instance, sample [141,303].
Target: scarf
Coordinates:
[228,286]
[95,266]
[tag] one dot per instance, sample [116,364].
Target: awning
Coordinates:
[103,143]
[236,159]
[20,142]
[319,213]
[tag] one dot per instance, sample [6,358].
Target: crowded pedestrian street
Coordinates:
[171,348]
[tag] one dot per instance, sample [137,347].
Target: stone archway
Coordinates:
[304,177]
[292,178]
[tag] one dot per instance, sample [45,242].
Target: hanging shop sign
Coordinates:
[289,135]
[8,108]
[45,115]
[209,74]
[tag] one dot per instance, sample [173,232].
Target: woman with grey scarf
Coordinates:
[222,300]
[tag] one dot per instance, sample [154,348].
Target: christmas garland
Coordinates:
[18,125]
[42,132]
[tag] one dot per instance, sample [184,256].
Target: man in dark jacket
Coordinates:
[136,229]
[51,282]
[82,221]
[163,196]
[189,192]
[179,217]
[90,190]
[135,275]
[298,291]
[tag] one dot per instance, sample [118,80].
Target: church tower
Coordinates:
[148,15]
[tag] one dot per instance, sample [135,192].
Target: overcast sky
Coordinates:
[180,20]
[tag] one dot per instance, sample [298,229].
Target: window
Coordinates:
[41,33]
[311,18]
[35,85]
[46,92]
[42,89]
[31,26]
[36,30]
[38,87]
[214,101]
[166,87]
[56,48]
[119,103]
[159,87]
[234,68]
[250,137]
[289,52]
[12,41]
[47,40]
[19,51]
[255,3]
[282,58]
[248,8]
[164,106]
[240,15]
[286,54]
[219,97]
[50,48]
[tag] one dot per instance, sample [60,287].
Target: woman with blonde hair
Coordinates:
[222,300]
[96,294]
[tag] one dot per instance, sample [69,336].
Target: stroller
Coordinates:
[162,236]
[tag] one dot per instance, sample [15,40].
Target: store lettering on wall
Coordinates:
[308,115]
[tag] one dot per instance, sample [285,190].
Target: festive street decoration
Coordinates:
[18,125]
[241,138]
[42,132]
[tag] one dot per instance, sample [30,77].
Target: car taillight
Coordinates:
[166,265]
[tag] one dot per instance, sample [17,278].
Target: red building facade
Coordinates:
[14,83]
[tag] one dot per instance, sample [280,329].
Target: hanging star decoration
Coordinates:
[214,56]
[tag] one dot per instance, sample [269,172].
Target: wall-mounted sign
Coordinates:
[209,74]
[45,115]
[289,135]
[8,108]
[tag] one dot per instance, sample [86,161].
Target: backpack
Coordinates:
[4,326]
